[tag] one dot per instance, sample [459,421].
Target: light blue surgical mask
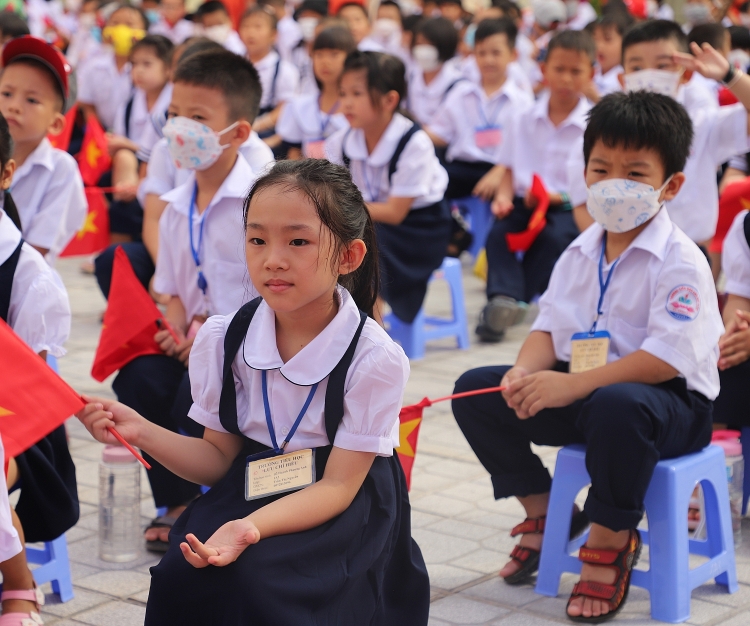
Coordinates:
[470,35]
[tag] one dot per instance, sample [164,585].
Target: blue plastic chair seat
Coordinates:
[479,216]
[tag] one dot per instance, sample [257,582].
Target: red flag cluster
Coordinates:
[521,242]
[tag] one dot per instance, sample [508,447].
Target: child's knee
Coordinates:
[615,413]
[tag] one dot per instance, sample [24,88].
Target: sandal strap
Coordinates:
[521,554]
[596,556]
[593,589]
[31,595]
[21,619]
[530,526]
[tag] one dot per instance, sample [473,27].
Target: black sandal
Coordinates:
[157,545]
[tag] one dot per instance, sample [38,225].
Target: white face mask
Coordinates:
[619,205]
[739,59]
[697,13]
[426,57]
[308,25]
[192,145]
[218,33]
[384,28]
[656,81]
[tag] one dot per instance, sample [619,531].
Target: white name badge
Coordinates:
[588,351]
[316,149]
[278,474]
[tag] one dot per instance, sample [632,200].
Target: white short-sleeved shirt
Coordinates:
[302,61]
[10,543]
[418,174]
[423,100]
[468,108]
[48,192]
[373,388]
[536,146]
[233,43]
[182,30]
[699,94]
[609,82]
[140,115]
[286,81]
[288,35]
[513,72]
[735,258]
[152,129]
[103,86]
[661,299]
[585,14]
[302,121]
[39,311]
[222,253]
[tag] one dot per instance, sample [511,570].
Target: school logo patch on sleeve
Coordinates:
[684,303]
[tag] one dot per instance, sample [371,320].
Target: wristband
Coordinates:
[730,75]
[564,198]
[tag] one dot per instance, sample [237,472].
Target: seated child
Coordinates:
[340,546]
[636,285]
[213,21]
[309,15]
[387,30]
[394,165]
[47,185]
[718,37]
[203,273]
[289,33]
[172,23]
[474,118]
[309,119]
[608,32]
[356,18]
[540,142]
[12,25]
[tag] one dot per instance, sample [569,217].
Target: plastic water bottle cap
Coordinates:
[729,440]
[117,454]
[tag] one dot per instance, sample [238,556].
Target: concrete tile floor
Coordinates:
[461,529]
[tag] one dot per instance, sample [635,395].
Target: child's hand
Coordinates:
[501,207]
[167,342]
[116,142]
[512,375]
[487,186]
[100,414]
[542,390]
[705,60]
[530,200]
[223,547]
[734,344]
[182,351]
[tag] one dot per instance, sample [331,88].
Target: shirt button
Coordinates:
[284,431]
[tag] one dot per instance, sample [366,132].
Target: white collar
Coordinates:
[577,116]
[267,61]
[356,148]
[41,155]
[9,237]
[317,359]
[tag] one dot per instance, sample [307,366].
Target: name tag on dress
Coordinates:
[279,473]
[488,137]
[316,149]
[588,351]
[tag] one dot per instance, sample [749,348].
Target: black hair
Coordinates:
[361,7]
[233,76]
[315,6]
[341,209]
[265,11]
[208,7]
[712,33]
[391,3]
[47,71]
[441,33]
[6,154]
[162,47]
[13,25]
[196,45]
[641,120]
[138,10]
[383,72]
[412,22]
[273,3]
[503,26]
[620,21]
[335,38]
[740,36]
[508,7]
[655,30]
[575,40]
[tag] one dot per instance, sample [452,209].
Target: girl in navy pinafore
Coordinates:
[291,372]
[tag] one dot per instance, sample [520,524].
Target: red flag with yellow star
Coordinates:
[130,321]
[734,198]
[61,141]
[410,418]
[34,400]
[521,242]
[93,159]
[94,234]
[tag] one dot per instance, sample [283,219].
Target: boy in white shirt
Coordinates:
[172,23]
[200,261]
[608,32]
[215,23]
[47,188]
[637,289]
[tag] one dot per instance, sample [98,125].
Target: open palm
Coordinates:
[705,60]
[223,547]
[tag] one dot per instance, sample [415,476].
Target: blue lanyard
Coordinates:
[267,408]
[374,197]
[493,116]
[326,118]
[603,285]
[202,283]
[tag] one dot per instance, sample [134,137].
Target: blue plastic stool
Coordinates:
[413,337]
[669,580]
[53,567]
[480,220]
[745,439]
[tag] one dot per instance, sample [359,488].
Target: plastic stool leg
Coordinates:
[452,274]
[719,533]
[745,438]
[62,584]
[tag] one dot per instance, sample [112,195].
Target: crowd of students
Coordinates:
[281,173]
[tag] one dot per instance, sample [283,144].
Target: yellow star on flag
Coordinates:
[5,412]
[89,226]
[93,153]
[745,203]
[404,430]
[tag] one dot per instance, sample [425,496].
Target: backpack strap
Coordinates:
[746,228]
[451,86]
[7,272]
[232,342]
[400,148]
[345,157]
[128,112]
[273,82]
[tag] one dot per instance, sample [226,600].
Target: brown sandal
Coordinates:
[622,562]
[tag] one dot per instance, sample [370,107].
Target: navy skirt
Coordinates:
[409,253]
[361,567]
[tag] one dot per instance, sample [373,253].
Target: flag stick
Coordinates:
[130,448]
[163,323]
[466,394]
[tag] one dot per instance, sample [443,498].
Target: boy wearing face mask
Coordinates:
[172,23]
[622,357]
[214,23]
[214,102]
[309,16]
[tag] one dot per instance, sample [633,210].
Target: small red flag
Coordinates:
[410,418]
[62,140]
[34,400]
[734,198]
[521,242]
[94,159]
[129,321]
[94,234]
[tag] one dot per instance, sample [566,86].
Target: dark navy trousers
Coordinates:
[731,407]
[525,278]
[627,428]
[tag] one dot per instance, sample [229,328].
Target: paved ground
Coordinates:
[462,531]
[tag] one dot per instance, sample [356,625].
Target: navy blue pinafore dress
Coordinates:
[362,568]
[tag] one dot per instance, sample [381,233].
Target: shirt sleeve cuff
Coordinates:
[738,288]
[204,418]
[669,355]
[382,446]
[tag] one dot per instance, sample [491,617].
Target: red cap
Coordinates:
[28,47]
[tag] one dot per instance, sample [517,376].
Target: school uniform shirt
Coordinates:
[233,43]
[39,311]
[284,87]
[513,72]
[177,33]
[302,61]
[418,174]
[301,121]
[467,108]
[609,82]
[699,94]
[735,258]
[140,115]
[103,86]
[368,44]
[48,192]
[661,299]
[372,392]
[535,145]
[423,100]
[288,35]
[222,253]
[527,54]
[585,14]
[10,543]
[154,126]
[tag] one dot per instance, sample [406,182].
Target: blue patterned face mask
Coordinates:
[619,205]
[469,35]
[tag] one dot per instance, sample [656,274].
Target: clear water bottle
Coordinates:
[730,441]
[119,505]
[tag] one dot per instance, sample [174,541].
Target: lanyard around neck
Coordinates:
[202,283]
[326,118]
[603,285]
[491,119]
[279,449]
